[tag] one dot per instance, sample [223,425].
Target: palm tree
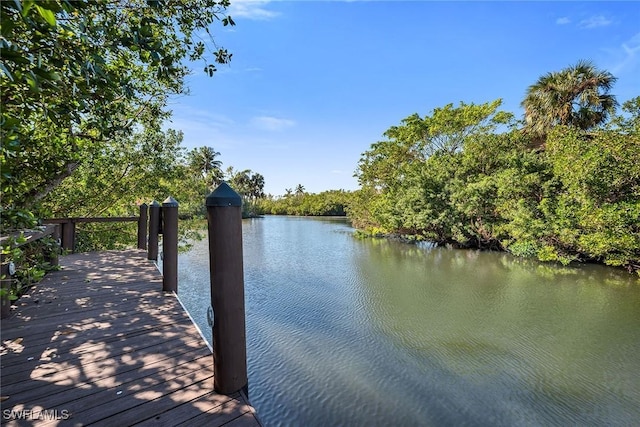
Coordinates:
[241,182]
[300,190]
[575,96]
[203,160]
[257,186]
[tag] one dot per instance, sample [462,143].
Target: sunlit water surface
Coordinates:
[351,332]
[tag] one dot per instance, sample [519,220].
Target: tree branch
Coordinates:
[38,194]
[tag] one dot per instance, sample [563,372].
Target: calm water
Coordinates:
[354,332]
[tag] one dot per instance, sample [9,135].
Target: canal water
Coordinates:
[349,332]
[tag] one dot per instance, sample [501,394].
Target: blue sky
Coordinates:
[312,84]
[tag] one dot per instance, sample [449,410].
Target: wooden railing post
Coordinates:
[170,245]
[142,227]
[224,216]
[154,226]
[69,235]
[5,285]
[52,258]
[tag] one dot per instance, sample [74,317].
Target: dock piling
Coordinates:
[154,227]
[224,217]
[142,227]
[170,245]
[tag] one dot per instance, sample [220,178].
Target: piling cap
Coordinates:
[154,204]
[224,196]
[170,202]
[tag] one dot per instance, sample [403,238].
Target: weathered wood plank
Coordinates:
[29,235]
[55,370]
[86,395]
[224,410]
[148,403]
[104,345]
[97,219]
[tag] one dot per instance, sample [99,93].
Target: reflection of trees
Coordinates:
[482,313]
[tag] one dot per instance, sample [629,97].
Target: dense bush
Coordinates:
[576,200]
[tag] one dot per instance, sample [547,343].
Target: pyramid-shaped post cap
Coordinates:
[170,202]
[224,196]
[154,204]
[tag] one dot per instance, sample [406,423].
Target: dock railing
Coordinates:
[164,220]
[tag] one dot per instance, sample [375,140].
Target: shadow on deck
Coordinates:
[99,343]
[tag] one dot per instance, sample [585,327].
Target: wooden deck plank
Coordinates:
[99,361]
[248,419]
[45,326]
[99,342]
[105,362]
[84,396]
[41,350]
[52,352]
[185,414]
[219,415]
[148,403]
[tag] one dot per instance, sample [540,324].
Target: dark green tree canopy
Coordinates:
[76,75]
[455,177]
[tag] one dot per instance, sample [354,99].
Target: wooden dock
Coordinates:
[99,343]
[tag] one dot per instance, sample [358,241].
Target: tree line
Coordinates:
[300,202]
[562,184]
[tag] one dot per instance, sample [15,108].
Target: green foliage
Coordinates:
[77,76]
[599,201]
[32,261]
[250,186]
[202,161]
[327,203]
[577,201]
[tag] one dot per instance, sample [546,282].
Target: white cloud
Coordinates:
[595,21]
[563,21]
[251,9]
[201,127]
[203,117]
[627,56]
[271,123]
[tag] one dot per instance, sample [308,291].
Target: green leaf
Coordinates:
[26,6]
[5,72]
[47,14]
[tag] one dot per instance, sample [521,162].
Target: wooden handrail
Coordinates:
[86,220]
[29,235]
[68,226]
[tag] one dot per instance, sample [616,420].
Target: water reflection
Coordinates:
[370,332]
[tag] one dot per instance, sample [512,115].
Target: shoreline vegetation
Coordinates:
[560,185]
[84,135]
